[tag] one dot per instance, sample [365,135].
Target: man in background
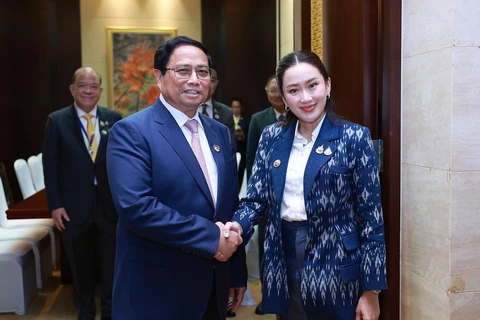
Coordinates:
[173,175]
[242,123]
[78,192]
[258,122]
[214,109]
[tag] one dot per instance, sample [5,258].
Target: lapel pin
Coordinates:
[104,131]
[328,151]
[276,163]
[102,124]
[319,150]
[216,148]
[106,122]
[217,116]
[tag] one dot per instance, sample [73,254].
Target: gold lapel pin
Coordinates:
[102,124]
[216,148]
[276,163]
[328,151]
[319,150]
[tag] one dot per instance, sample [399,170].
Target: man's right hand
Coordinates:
[58,215]
[227,245]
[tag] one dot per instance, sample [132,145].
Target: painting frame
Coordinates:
[130,54]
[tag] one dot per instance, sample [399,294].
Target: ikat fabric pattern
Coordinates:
[345,251]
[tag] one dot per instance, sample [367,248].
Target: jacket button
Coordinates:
[315,218]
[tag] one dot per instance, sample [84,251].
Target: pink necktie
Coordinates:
[192,125]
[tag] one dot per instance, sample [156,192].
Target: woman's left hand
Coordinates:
[368,307]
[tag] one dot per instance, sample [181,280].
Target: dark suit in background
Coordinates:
[77,190]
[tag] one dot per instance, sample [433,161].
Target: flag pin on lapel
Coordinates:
[276,163]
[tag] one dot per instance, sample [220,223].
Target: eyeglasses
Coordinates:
[274,91]
[186,73]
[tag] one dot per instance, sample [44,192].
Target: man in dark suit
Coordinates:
[214,109]
[258,122]
[242,123]
[173,175]
[78,192]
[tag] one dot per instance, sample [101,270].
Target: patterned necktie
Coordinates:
[92,140]
[192,125]
[204,109]
[281,118]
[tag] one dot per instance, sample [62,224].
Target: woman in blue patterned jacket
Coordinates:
[316,177]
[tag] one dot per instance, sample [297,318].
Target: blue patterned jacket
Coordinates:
[345,250]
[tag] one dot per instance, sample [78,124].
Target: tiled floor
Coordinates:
[54,302]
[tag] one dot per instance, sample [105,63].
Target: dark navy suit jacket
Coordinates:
[166,236]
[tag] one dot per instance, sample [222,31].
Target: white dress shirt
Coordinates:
[181,118]
[293,202]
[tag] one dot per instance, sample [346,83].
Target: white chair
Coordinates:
[24,178]
[47,223]
[36,172]
[38,239]
[18,285]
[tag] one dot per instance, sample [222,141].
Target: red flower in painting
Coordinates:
[152,94]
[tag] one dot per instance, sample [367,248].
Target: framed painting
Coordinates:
[130,55]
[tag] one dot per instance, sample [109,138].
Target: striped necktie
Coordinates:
[204,109]
[92,140]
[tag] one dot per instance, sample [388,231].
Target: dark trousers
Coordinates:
[212,312]
[81,244]
[294,238]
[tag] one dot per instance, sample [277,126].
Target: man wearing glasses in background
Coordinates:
[173,176]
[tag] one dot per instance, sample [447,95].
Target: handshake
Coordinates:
[230,239]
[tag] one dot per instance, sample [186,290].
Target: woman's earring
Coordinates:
[328,96]
[287,108]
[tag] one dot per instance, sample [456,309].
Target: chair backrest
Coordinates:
[36,171]
[6,185]
[24,178]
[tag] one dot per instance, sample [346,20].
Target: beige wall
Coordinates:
[96,15]
[440,259]
[286,27]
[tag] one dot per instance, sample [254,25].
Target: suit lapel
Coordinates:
[74,122]
[102,123]
[168,127]
[279,160]
[320,154]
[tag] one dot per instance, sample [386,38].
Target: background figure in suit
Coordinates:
[258,122]
[78,193]
[214,109]
[172,260]
[242,123]
[316,177]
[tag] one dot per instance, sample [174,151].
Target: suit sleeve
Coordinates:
[129,166]
[50,161]
[368,209]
